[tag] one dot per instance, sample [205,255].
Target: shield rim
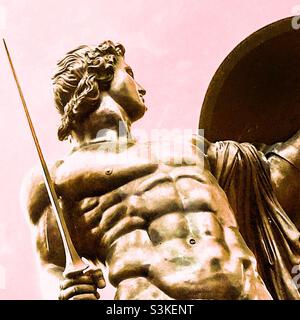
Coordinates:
[251,42]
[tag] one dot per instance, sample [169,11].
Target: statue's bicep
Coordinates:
[48,239]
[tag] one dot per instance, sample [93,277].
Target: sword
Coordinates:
[74,264]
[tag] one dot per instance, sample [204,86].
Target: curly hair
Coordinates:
[80,77]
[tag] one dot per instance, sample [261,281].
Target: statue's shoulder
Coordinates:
[34,195]
[178,147]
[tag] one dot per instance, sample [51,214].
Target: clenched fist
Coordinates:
[83,286]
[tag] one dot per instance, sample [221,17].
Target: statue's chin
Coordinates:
[137,113]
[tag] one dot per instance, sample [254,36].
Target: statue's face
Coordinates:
[127,92]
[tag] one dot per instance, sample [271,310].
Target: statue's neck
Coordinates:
[108,123]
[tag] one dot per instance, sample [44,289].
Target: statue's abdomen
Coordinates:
[181,251]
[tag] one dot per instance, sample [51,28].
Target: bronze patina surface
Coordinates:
[202,220]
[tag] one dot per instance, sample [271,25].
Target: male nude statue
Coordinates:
[216,222]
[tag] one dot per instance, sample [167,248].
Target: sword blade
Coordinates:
[74,264]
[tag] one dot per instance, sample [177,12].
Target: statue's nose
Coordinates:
[141,90]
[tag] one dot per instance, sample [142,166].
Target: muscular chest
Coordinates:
[101,168]
[149,188]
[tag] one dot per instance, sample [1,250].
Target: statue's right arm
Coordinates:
[37,210]
[37,207]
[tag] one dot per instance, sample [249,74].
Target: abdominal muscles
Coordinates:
[196,252]
[179,257]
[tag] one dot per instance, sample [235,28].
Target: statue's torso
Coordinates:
[165,228]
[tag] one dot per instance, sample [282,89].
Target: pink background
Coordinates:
[174,47]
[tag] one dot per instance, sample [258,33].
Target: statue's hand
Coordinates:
[83,286]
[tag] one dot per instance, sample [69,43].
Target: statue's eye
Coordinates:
[130,72]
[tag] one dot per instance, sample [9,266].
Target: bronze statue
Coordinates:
[212,222]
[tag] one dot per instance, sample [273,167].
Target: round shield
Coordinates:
[255,94]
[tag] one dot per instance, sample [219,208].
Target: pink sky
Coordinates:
[174,48]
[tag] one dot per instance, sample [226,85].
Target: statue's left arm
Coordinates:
[284,160]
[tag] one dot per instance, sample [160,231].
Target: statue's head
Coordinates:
[85,74]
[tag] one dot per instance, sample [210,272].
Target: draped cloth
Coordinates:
[242,172]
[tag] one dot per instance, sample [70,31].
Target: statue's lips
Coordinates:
[142,98]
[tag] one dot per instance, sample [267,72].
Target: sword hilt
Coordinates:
[74,268]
